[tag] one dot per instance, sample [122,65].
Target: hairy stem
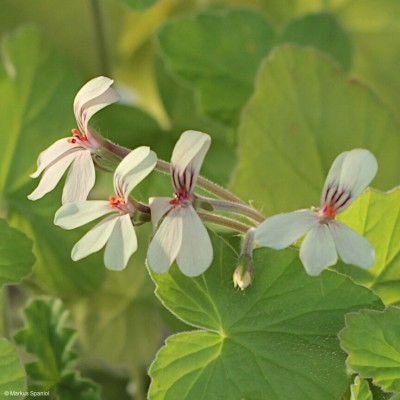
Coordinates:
[224,221]
[242,209]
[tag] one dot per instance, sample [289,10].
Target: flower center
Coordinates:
[78,137]
[182,198]
[118,203]
[328,212]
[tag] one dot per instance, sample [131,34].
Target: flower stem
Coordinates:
[100,34]
[224,221]
[242,209]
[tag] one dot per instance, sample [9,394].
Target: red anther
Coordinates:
[75,132]
[71,140]
[78,135]
[116,202]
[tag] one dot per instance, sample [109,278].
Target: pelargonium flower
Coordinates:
[116,230]
[350,173]
[75,151]
[181,235]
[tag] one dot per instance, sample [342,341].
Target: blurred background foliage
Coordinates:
[330,82]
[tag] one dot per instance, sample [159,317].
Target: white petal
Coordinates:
[80,179]
[282,230]
[352,247]
[188,156]
[166,243]
[133,169]
[350,174]
[52,176]
[159,206]
[95,239]
[318,250]
[196,252]
[121,245]
[92,97]
[57,150]
[72,215]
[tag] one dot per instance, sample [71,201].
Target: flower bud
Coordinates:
[243,278]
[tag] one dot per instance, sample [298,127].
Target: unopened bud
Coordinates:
[241,278]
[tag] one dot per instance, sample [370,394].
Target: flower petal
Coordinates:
[52,176]
[95,239]
[159,206]
[352,247]
[196,252]
[166,243]
[80,179]
[121,245]
[318,250]
[57,150]
[133,169]
[351,172]
[92,97]
[282,230]
[187,158]
[72,215]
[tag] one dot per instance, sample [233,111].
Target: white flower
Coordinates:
[181,234]
[350,174]
[117,228]
[75,151]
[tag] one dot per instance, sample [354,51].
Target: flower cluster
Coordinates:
[179,233]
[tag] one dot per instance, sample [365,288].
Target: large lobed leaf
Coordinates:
[39,87]
[304,112]
[16,257]
[372,340]
[376,216]
[360,390]
[275,339]
[12,374]
[46,336]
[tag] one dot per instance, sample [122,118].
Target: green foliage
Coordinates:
[360,390]
[46,336]
[39,87]
[376,216]
[372,341]
[12,375]
[16,258]
[284,325]
[300,122]
[139,4]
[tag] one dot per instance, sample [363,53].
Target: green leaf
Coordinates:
[360,390]
[322,31]
[46,336]
[376,216]
[209,57]
[139,4]
[284,325]
[39,87]
[372,341]
[16,257]
[303,114]
[12,375]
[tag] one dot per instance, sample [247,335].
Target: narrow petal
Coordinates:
[282,230]
[166,243]
[133,169]
[159,206]
[188,156]
[352,247]
[92,97]
[196,252]
[57,150]
[52,176]
[72,215]
[318,250]
[350,174]
[95,239]
[121,245]
[80,179]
